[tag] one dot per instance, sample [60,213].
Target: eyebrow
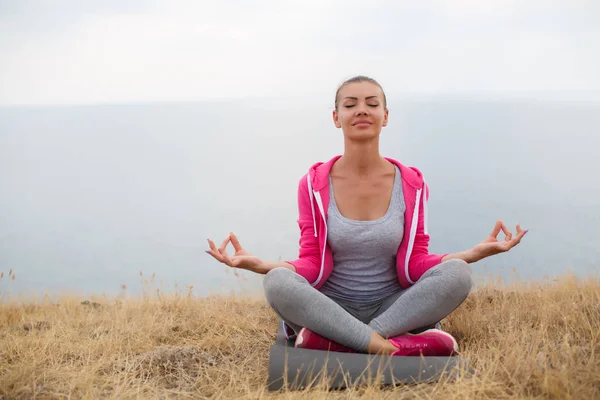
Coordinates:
[356,98]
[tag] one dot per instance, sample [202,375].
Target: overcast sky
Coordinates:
[83,51]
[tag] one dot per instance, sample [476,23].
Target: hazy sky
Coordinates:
[83,51]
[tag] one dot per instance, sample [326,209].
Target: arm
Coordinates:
[466,255]
[269,265]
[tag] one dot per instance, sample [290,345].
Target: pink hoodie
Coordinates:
[315,261]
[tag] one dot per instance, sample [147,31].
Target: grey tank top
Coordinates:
[364,252]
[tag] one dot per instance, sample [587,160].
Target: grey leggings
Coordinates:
[435,295]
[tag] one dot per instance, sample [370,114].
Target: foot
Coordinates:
[307,339]
[432,342]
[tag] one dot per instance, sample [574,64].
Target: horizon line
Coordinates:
[586,96]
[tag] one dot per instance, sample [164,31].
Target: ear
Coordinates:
[385,118]
[336,119]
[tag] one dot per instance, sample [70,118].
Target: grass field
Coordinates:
[528,340]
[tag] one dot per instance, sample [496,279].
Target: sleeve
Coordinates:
[420,259]
[307,264]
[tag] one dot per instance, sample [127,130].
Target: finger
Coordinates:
[225,243]
[212,246]
[511,244]
[520,233]
[215,255]
[225,257]
[507,233]
[496,229]
[223,252]
[214,251]
[517,239]
[235,242]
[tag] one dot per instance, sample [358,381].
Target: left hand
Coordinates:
[491,245]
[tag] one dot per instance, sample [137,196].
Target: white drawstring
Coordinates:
[425,196]
[312,205]
[413,233]
[322,211]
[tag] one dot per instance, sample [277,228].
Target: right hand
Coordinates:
[241,259]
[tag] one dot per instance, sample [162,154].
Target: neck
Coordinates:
[361,158]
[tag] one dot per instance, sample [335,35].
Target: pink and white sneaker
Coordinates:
[308,339]
[430,343]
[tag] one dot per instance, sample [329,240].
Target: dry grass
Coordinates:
[526,341]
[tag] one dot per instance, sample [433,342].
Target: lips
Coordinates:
[361,122]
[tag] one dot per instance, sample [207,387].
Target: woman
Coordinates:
[364,280]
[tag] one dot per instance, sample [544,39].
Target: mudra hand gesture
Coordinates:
[240,259]
[491,245]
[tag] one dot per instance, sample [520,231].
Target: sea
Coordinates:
[120,199]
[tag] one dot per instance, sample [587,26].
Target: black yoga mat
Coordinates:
[300,368]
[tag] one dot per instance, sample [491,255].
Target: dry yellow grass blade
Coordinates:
[526,341]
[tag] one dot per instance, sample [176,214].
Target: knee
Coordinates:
[462,279]
[275,283]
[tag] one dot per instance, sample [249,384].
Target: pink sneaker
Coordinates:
[307,339]
[432,342]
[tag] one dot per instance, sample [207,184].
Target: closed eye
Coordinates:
[352,105]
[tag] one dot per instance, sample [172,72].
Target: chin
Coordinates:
[361,134]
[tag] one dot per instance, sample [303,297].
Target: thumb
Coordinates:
[235,242]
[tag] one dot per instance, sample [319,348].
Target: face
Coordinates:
[360,112]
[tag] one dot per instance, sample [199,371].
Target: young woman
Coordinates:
[364,280]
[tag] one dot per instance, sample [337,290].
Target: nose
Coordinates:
[362,109]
